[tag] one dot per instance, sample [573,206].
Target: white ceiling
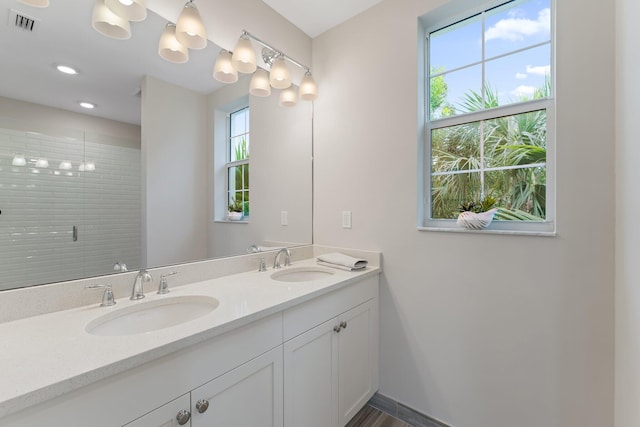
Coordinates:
[314,17]
[111,70]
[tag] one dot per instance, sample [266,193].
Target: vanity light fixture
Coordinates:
[66,69]
[42,163]
[190,30]
[308,88]
[65,165]
[131,10]
[19,160]
[260,83]
[169,48]
[279,77]
[223,70]
[288,97]
[89,166]
[244,57]
[36,3]
[87,105]
[108,23]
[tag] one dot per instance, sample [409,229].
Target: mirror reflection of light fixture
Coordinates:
[19,160]
[223,70]
[279,77]
[169,48]
[244,57]
[108,23]
[288,97]
[260,83]
[42,163]
[65,165]
[36,3]
[308,88]
[190,30]
[87,167]
[131,10]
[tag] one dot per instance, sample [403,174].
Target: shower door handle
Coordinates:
[75,233]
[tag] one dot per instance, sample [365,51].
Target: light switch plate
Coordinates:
[284,218]
[346,219]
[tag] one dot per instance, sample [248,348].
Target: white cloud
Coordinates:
[541,70]
[516,29]
[521,76]
[523,91]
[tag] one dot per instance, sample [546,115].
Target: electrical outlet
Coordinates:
[284,218]
[346,219]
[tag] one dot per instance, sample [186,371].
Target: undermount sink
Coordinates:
[302,274]
[152,315]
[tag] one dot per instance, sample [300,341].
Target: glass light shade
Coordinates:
[19,160]
[244,57]
[89,166]
[81,167]
[308,88]
[64,165]
[170,48]
[288,97]
[279,77]
[131,10]
[260,83]
[42,163]
[223,70]
[190,30]
[108,23]
[36,3]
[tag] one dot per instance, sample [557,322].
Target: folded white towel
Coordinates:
[336,259]
[338,266]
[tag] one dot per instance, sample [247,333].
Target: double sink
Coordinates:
[170,311]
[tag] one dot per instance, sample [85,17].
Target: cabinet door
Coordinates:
[164,416]
[248,396]
[357,359]
[310,387]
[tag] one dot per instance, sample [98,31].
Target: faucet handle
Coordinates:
[263,265]
[107,297]
[163,287]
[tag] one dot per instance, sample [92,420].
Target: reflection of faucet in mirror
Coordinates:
[253,249]
[287,258]
[137,291]
[120,266]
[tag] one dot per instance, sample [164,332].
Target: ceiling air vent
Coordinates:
[22,21]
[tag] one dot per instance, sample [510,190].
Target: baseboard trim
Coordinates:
[403,412]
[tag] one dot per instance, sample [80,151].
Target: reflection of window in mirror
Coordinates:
[238,160]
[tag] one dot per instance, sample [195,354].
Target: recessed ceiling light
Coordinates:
[87,105]
[66,69]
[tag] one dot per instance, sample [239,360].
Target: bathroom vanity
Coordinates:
[299,349]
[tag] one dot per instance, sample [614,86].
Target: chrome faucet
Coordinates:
[287,258]
[137,291]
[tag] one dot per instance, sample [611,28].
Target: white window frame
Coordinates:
[435,21]
[230,164]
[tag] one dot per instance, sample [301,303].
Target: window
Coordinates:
[238,159]
[489,116]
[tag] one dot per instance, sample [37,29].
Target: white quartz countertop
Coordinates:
[45,356]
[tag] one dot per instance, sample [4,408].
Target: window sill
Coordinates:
[226,221]
[546,229]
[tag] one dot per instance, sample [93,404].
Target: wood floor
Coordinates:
[372,417]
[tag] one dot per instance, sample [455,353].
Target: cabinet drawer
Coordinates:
[305,316]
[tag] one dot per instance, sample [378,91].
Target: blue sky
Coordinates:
[508,28]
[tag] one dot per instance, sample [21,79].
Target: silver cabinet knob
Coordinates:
[336,329]
[343,325]
[202,405]
[183,417]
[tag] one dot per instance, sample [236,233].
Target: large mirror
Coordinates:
[146,177]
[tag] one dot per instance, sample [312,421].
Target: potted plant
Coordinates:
[235,210]
[477,215]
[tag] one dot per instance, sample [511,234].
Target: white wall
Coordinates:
[627,205]
[476,330]
[174,164]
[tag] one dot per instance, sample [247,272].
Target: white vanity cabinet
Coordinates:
[248,396]
[331,370]
[312,364]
